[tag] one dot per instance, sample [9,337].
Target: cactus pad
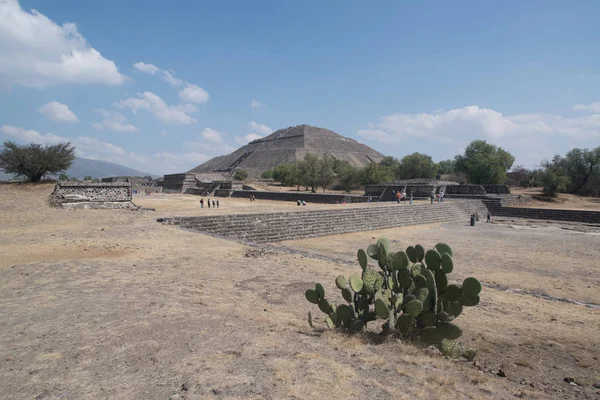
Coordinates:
[419,252]
[469,354]
[372,251]
[453,293]
[347,295]
[310,320]
[400,261]
[414,308]
[345,313]
[455,308]
[405,323]
[469,301]
[340,282]
[325,306]
[312,296]
[433,259]
[448,330]
[428,318]
[382,309]
[356,325]
[356,283]
[320,291]
[441,280]
[384,242]
[410,252]
[450,348]
[447,263]
[362,258]
[443,248]
[471,287]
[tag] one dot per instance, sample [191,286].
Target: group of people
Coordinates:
[252,197]
[400,196]
[215,204]
[440,197]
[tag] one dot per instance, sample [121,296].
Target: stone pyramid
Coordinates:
[289,145]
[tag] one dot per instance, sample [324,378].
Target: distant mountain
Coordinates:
[97,169]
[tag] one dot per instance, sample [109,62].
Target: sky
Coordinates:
[164,86]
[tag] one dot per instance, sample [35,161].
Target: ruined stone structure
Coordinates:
[76,194]
[424,188]
[199,184]
[275,227]
[290,145]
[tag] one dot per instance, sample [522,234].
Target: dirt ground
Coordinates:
[110,304]
[563,200]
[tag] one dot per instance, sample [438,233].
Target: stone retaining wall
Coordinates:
[496,209]
[496,189]
[71,192]
[465,189]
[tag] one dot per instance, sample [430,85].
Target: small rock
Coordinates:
[216,391]
[44,395]
[174,397]
[597,385]
[572,384]
[185,387]
[501,373]
[569,380]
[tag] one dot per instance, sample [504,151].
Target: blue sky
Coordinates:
[163,86]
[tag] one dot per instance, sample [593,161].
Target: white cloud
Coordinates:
[594,107]
[478,122]
[58,112]
[147,68]
[259,128]
[213,136]
[37,52]
[247,138]
[148,101]
[194,94]
[114,121]
[170,78]
[257,105]
[31,136]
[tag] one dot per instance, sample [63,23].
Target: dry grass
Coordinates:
[110,304]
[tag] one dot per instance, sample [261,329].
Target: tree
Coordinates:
[446,167]
[287,174]
[484,163]
[88,178]
[553,183]
[417,165]
[582,166]
[268,174]
[63,177]
[33,161]
[240,175]
[348,175]
[308,170]
[373,174]
[326,175]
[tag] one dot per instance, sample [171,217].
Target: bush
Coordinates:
[410,293]
[240,175]
[267,174]
[553,183]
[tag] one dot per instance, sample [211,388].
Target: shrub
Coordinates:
[410,292]
[240,175]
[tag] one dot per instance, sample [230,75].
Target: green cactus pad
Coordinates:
[441,280]
[428,318]
[382,256]
[418,269]
[330,323]
[344,314]
[400,261]
[384,242]
[448,330]
[382,309]
[341,283]
[361,306]
[347,295]
[447,263]
[422,294]
[362,258]
[405,323]
[356,283]
[453,293]
[379,282]
[443,316]
[370,316]
[450,348]
[410,252]
[404,279]
[398,301]
[469,301]
[369,278]
[356,326]
[471,287]
[443,248]
[372,251]
[310,320]
[320,290]
[419,252]
[325,306]
[469,354]
[312,296]
[433,259]
[420,281]
[429,336]
[414,308]
[455,308]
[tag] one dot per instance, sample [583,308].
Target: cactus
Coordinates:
[410,293]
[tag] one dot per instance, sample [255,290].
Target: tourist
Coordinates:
[217,203]
[393,195]
[403,196]
[201,203]
[489,217]
[369,199]
[303,203]
[431,197]
[208,202]
[398,196]
[214,203]
[411,197]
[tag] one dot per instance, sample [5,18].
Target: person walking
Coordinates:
[214,203]
[489,217]
[217,203]
[411,197]
[208,202]
[201,203]
[398,196]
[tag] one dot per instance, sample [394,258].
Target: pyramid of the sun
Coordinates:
[288,146]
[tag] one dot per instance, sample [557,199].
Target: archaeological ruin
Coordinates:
[91,195]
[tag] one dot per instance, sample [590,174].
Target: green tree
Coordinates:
[582,166]
[484,163]
[373,174]
[287,174]
[553,183]
[240,175]
[308,171]
[33,161]
[63,177]
[326,173]
[348,175]
[446,167]
[417,165]
[268,174]
[88,178]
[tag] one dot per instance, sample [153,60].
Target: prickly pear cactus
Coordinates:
[411,292]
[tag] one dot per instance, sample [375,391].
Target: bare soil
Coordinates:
[563,201]
[110,304]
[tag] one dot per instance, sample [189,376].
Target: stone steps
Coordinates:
[497,210]
[275,227]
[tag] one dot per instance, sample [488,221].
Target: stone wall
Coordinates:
[465,189]
[178,183]
[496,209]
[293,196]
[72,192]
[496,189]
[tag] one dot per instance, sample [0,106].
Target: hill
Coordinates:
[97,169]
[289,145]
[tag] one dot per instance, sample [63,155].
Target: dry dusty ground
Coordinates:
[106,304]
[563,201]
